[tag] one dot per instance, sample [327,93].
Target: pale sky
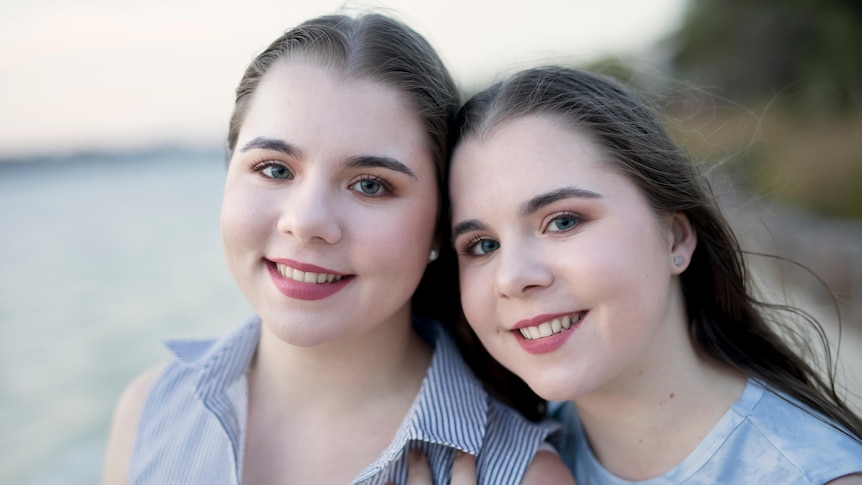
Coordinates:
[103,74]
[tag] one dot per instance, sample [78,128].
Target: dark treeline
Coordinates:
[775,86]
[805,53]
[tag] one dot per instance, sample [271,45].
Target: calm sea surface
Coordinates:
[100,259]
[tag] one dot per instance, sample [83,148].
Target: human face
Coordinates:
[554,243]
[331,181]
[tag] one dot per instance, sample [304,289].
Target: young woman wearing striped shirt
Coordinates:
[330,225]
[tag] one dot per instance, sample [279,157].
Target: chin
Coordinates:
[297,336]
[553,387]
[552,392]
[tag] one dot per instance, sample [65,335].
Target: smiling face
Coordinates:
[566,272]
[329,206]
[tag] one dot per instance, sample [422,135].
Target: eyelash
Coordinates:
[578,220]
[385,186]
[468,249]
[261,166]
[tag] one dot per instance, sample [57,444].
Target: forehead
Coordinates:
[525,154]
[312,105]
[306,76]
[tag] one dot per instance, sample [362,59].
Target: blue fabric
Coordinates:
[763,438]
[192,427]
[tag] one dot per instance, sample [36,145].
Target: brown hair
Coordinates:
[726,322]
[383,49]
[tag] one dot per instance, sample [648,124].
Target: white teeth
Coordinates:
[306,276]
[546,329]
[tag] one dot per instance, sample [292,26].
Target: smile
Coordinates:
[309,283]
[306,276]
[550,327]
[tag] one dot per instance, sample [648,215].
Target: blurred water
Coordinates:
[100,259]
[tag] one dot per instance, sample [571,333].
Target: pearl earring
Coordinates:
[678,261]
[433,255]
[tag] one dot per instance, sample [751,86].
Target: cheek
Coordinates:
[407,232]
[420,219]
[243,218]
[477,297]
[624,278]
[619,255]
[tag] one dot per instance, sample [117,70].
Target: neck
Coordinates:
[651,416]
[645,427]
[299,398]
[338,376]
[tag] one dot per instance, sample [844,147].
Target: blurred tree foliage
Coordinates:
[792,69]
[804,52]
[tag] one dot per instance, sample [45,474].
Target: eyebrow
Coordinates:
[541,200]
[380,162]
[528,207]
[264,143]
[467,226]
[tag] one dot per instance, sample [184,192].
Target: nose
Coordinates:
[309,214]
[521,271]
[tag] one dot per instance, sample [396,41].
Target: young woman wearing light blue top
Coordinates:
[595,264]
[331,228]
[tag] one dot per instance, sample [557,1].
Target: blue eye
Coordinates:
[563,223]
[372,187]
[369,187]
[276,171]
[488,245]
[480,247]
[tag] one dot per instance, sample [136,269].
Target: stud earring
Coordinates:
[677,261]
[433,255]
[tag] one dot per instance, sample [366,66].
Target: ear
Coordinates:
[683,244]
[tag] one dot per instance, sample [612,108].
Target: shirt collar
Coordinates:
[221,385]
[450,409]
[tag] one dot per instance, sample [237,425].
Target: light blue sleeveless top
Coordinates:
[762,439]
[192,426]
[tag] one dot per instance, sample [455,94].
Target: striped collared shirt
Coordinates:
[192,427]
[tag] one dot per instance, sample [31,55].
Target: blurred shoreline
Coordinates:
[97,155]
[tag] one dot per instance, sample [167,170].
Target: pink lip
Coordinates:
[306,267]
[532,322]
[305,291]
[545,344]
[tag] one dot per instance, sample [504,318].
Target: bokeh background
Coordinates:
[112,116]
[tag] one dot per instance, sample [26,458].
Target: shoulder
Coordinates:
[789,424]
[547,469]
[121,438]
[511,449]
[798,436]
